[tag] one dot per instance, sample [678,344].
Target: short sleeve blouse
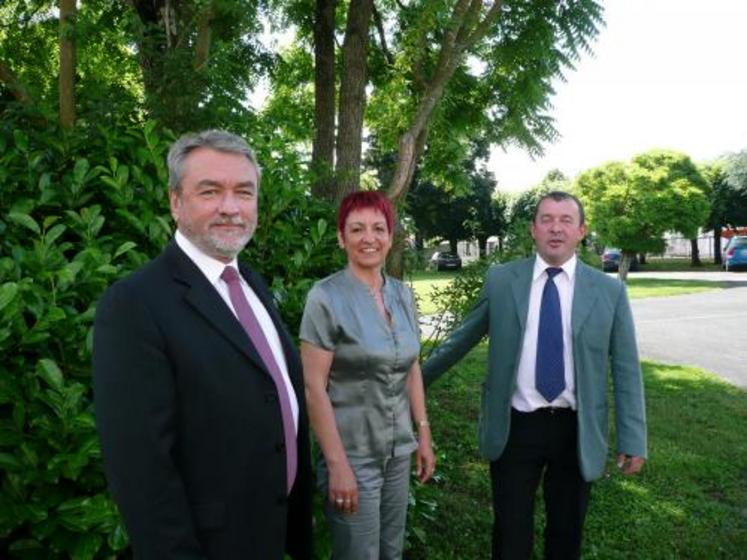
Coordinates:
[368,377]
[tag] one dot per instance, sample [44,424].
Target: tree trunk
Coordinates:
[624,266]
[453,245]
[641,258]
[323,149]
[352,98]
[717,245]
[165,90]
[67,63]
[482,243]
[420,249]
[14,85]
[695,253]
[204,36]
[465,28]
[395,264]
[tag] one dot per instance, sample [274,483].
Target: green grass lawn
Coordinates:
[424,282]
[675,264]
[689,503]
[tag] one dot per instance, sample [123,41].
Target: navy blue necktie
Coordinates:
[550,372]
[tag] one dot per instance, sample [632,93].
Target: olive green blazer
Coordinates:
[604,348]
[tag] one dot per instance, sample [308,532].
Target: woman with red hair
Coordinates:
[364,389]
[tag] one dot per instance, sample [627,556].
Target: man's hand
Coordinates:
[630,464]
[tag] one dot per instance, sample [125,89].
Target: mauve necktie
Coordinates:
[249,321]
[550,372]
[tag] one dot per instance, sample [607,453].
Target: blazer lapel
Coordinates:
[584,296]
[520,288]
[206,300]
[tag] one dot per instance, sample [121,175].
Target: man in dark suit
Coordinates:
[198,388]
[555,327]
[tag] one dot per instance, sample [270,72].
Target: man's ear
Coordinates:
[174,203]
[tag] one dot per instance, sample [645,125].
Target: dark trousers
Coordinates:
[541,446]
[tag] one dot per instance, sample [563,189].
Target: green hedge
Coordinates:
[80,210]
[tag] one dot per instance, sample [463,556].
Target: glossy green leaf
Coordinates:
[25,220]
[49,371]
[8,292]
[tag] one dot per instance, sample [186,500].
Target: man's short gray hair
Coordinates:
[214,139]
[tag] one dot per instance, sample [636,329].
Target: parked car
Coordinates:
[735,253]
[442,260]
[611,260]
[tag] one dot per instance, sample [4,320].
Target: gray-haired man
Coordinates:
[203,425]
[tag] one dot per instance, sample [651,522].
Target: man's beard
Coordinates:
[215,245]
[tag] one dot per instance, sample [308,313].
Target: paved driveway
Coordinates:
[708,329]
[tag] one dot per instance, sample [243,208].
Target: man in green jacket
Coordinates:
[557,331]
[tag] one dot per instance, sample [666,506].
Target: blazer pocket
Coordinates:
[209,516]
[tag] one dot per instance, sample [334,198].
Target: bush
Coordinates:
[79,211]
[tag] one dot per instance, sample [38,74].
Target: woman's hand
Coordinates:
[425,460]
[343,488]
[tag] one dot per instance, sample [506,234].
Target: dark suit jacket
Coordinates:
[190,423]
[604,348]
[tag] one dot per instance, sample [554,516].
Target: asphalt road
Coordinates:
[708,329]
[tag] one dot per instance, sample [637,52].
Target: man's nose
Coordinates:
[229,204]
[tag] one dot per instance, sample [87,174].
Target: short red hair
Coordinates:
[365,199]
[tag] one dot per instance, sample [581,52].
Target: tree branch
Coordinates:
[15,86]
[382,35]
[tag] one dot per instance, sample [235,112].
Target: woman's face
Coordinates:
[366,238]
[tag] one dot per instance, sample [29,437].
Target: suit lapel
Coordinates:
[520,288]
[206,300]
[584,296]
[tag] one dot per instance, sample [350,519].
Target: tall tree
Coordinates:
[727,196]
[198,60]
[67,63]
[632,205]
[466,25]
[323,147]
[352,98]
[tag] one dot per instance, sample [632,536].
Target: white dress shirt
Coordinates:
[526,398]
[212,269]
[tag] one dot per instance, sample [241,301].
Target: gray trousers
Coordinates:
[377,530]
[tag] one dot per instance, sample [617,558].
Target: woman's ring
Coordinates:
[339,501]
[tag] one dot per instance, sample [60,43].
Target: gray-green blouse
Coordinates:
[368,377]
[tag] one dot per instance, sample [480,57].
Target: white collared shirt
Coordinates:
[526,398]
[212,269]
